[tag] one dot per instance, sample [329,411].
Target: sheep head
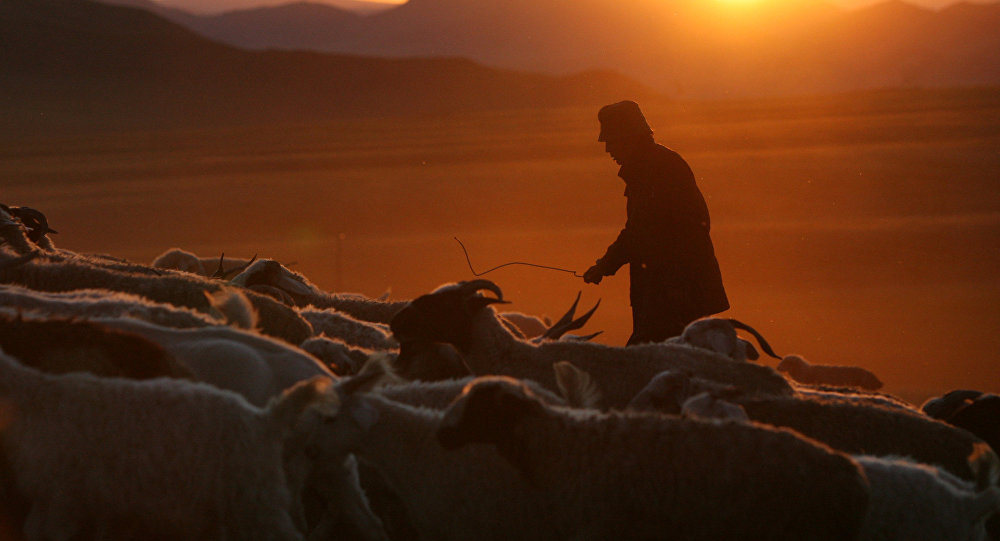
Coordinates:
[668,391]
[267,274]
[943,407]
[487,411]
[445,314]
[792,364]
[33,220]
[339,422]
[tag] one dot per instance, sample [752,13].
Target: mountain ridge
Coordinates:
[777,47]
[105,63]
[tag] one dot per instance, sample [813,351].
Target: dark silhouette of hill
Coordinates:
[98,62]
[198,6]
[685,47]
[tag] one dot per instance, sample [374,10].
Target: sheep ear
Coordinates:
[377,370]
[576,386]
[284,409]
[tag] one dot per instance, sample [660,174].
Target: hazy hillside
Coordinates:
[685,47]
[103,63]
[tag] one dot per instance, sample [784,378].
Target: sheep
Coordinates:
[305,293]
[182,260]
[59,345]
[253,365]
[843,425]
[942,407]
[110,458]
[341,358]
[458,315]
[706,405]
[35,225]
[335,324]
[458,494]
[528,325]
[52,274]
[638,476]
[853,394]
[438,395]
[847,376]
[974,411]
[915,501]
[719,335]
[227,306]
[908,500]
[13,233]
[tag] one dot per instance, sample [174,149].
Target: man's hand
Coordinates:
[593,275]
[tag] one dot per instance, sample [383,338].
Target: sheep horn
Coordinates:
[567,323]
[236,271]
[763,343]
[556,329]
[473,286]
[219,272]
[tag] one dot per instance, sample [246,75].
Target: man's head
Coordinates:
[623,129]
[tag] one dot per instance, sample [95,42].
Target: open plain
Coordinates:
[858,229]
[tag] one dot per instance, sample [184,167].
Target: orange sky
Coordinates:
[211,6]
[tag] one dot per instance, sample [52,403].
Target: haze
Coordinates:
[215,6]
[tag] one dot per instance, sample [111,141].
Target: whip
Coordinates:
[469,261]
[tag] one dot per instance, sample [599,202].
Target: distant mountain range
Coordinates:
[692,48]
[99,63]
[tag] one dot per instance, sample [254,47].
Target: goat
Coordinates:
[458,315]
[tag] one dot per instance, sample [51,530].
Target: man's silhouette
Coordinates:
[674,275]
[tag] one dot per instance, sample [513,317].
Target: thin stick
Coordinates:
[469,261]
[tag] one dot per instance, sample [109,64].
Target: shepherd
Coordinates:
[674,275]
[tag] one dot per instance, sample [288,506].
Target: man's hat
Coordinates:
[621,120]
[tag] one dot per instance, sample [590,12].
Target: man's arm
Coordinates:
[611,261]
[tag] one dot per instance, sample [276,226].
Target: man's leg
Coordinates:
[652,322]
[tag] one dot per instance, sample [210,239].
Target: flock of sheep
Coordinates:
[212,399]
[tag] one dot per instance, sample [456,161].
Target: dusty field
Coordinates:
[856,230]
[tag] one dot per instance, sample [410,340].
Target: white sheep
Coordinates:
[270,273]
[706,405]
[638,476]
[853,394]
[458,315]
[55,273]
[253,365]
[918,502]
[909,500]
[719,335]
[802,371]
[847,426]
[156,459]
[527,325]
[183,260]
[227,306]
[485,492]
[60,345]
[335,324]
[14,233]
